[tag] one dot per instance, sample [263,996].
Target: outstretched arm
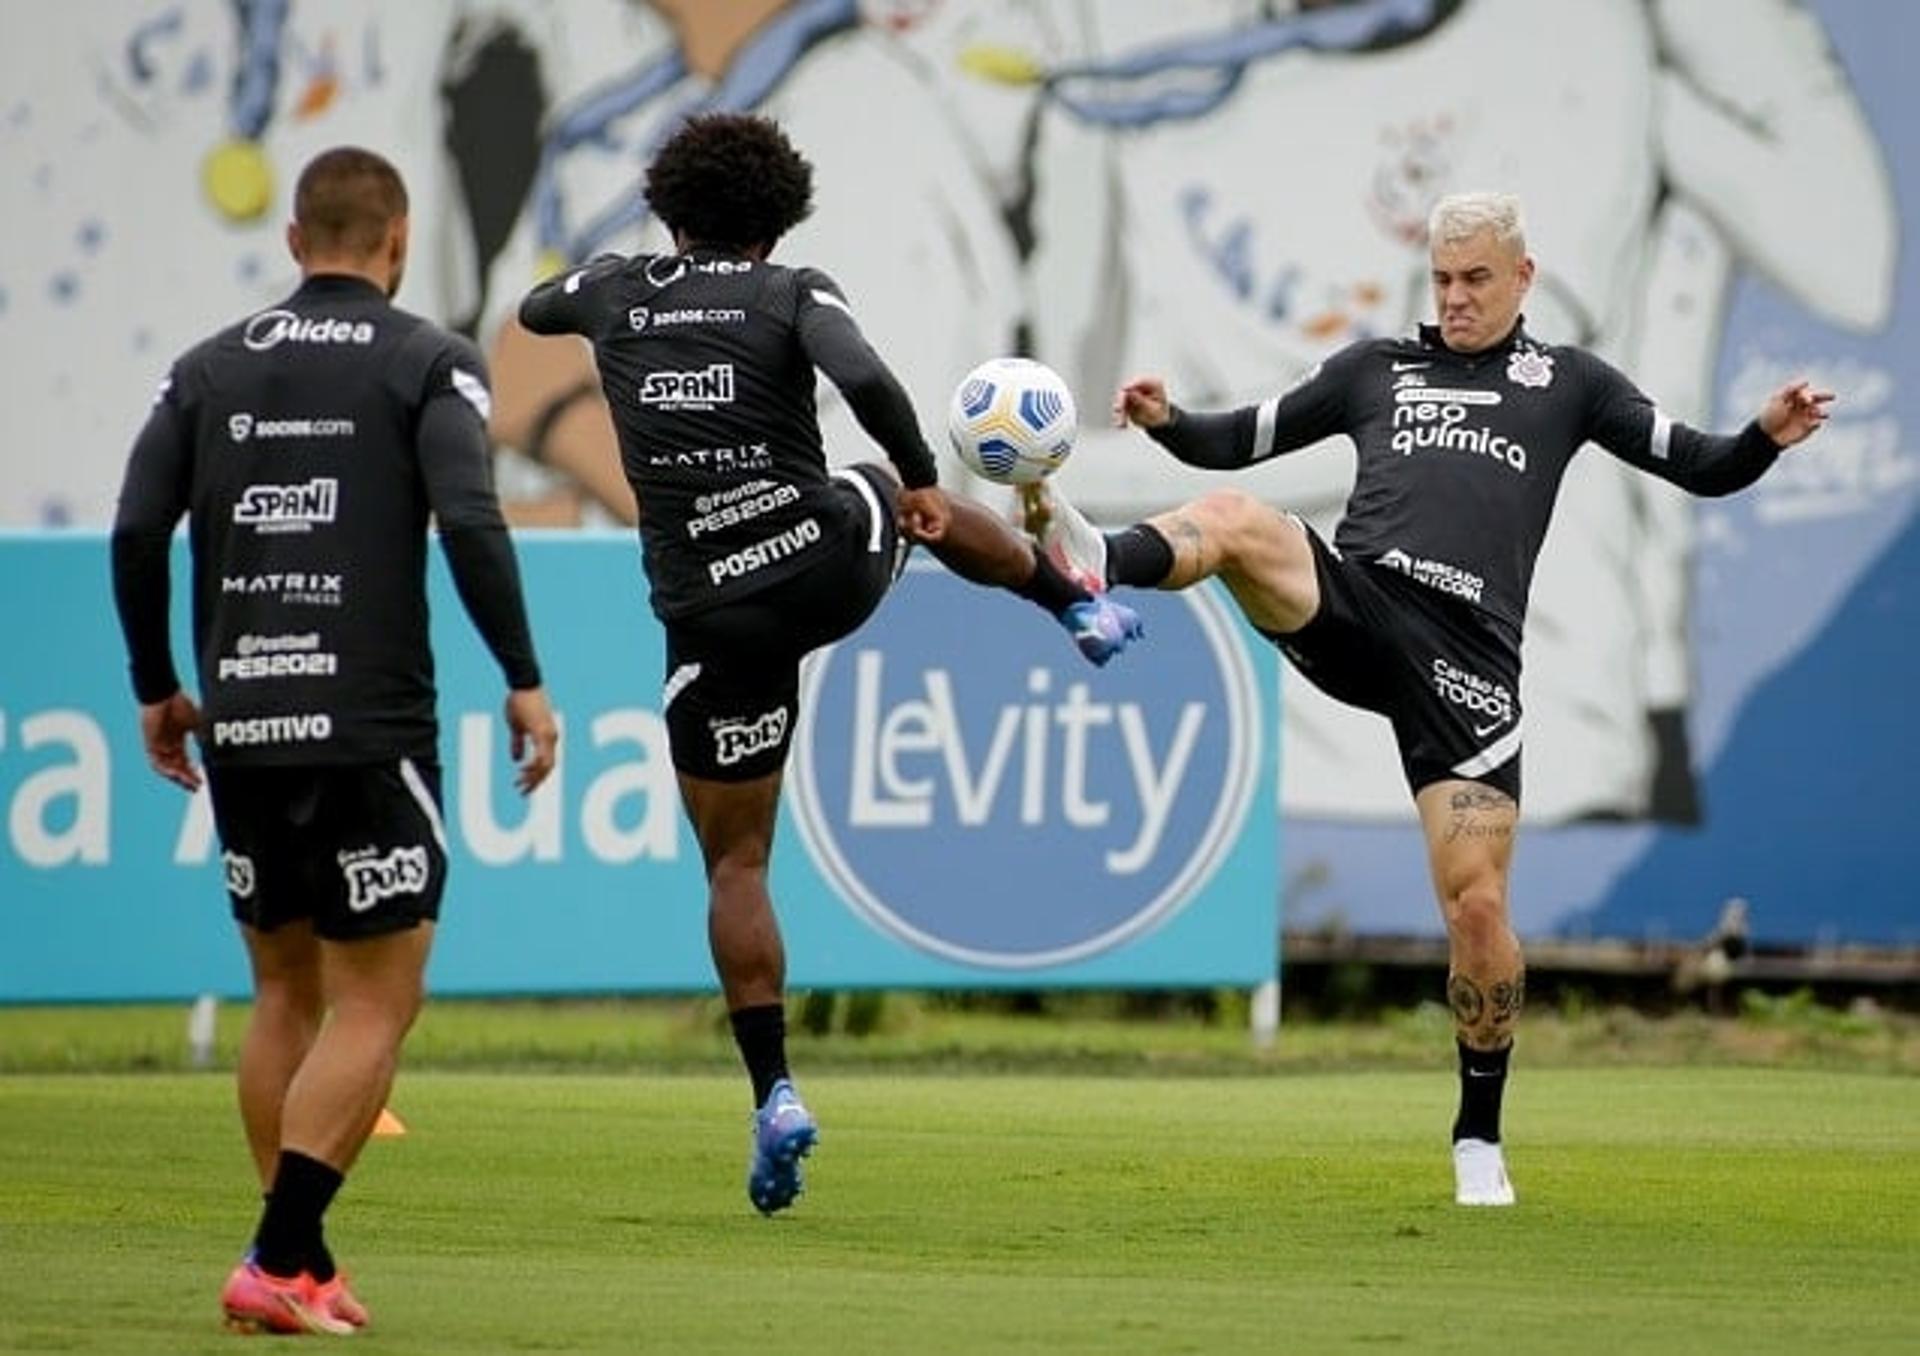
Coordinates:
[1314,409]
[1629,425]
[547,404]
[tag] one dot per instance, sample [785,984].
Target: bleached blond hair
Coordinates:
[1461,216]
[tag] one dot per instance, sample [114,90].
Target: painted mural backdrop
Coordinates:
[1720,193]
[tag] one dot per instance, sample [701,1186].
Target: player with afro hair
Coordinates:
[731,179]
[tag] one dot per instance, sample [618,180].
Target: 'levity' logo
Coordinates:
[970,787]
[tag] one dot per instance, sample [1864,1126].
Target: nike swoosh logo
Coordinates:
[1483,1073]
[1481,732]
[1410,367]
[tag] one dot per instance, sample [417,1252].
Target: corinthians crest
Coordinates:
[1529,367]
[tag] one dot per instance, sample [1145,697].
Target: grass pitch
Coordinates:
[1662,1210]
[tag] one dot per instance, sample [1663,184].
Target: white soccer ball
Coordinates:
[1012,420]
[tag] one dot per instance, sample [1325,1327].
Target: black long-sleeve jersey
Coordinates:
[707,360]
[308,444]
[1461,454]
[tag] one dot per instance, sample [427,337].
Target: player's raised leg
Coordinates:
[1261,554]
[982,549]
[979,547]
[1470,830]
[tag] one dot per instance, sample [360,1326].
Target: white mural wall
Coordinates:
[1719,193]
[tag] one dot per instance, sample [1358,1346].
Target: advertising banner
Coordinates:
[968,804]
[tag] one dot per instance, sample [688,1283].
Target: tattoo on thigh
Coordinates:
[1469,805]
[1466,1000]
[1480,798]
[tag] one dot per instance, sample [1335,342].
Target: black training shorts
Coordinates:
[1444,673]
[733,672]
[359,849]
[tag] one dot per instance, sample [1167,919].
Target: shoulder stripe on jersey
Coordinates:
[1491,757]
[1661,445]
[417,787]
[826,298]
[474,392]
[1263,425]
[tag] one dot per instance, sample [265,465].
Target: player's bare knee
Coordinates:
[744,865]
[1476,913]
[1233,517]
[288,1004]
[378,1020]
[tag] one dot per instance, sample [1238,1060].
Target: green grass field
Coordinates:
[1662,1210]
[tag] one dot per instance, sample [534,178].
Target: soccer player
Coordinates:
[308,444]
[755,553]
[1463,431]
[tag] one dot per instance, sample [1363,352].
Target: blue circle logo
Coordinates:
[972,787]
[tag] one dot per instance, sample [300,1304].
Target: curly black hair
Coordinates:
[730,179]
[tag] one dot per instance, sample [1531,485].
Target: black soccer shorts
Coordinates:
[1445,674]
[733,672]
[360,849]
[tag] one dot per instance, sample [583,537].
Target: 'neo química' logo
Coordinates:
[972,787]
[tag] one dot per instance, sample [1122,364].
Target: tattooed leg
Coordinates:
[1258,552]
[1484,1015]
[1195,557]
[1470,830]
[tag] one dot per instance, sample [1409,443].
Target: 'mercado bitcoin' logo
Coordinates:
[970,787]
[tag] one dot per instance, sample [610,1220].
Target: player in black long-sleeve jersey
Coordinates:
[1463,431]
[755,552]
[307,446]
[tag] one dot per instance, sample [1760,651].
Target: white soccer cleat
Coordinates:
[1480,1174]
[1075,546]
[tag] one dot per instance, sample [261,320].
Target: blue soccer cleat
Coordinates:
[784,1132]
[1101,627]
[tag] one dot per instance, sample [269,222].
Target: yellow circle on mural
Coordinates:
[238,180]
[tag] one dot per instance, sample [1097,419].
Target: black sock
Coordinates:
[1049,588]
[1139,556]
[289,1240]
[761,1034]
[1483,1078]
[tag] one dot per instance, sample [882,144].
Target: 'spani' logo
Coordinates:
[925,750]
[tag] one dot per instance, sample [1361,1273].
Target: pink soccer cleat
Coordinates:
[258,1302]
